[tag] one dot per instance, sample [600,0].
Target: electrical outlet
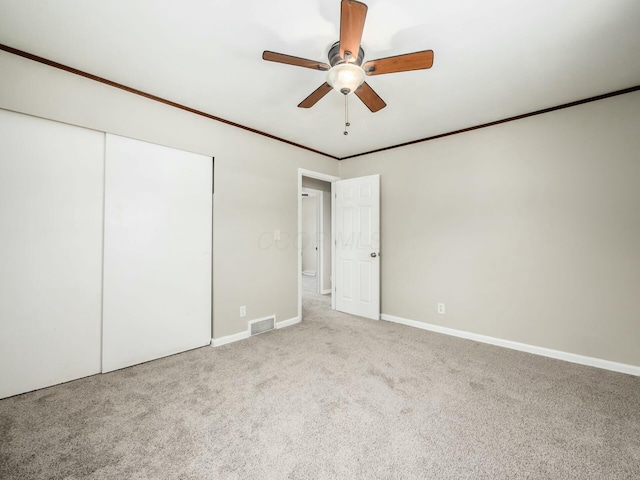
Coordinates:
[243,311]
[441,308]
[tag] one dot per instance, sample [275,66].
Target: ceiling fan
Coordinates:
[346,73]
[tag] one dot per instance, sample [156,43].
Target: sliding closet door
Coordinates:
[157,257]
[51,191]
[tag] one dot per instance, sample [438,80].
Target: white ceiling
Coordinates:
[493,58]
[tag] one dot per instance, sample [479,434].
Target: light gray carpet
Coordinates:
[333,397]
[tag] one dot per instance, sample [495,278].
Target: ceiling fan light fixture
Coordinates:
[346,72]
[345,78]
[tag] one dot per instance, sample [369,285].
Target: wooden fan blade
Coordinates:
[400,63]
[352,15]
[312,99]
[296,61]
[370,98]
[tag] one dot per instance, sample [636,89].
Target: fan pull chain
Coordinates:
[346,114]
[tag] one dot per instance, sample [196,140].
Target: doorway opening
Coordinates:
[314,271]
[315,238]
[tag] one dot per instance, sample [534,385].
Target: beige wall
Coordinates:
[256,180]
[527,231]
[326,228]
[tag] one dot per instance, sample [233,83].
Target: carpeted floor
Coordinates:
[333,397]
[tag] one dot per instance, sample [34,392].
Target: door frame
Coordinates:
[318,195]
[303,172]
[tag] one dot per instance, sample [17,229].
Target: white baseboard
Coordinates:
[325,292]
[236,337]
[288,323]
[523,347]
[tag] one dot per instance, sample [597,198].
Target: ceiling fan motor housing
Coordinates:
[336,59]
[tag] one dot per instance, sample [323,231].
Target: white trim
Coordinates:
[523,347]
[303,172]
[288,323]
[333,246]
[251,322]
[325,292]
[236,337]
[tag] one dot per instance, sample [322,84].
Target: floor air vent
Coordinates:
[262,325]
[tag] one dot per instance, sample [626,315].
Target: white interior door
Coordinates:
[358,246]
[157,252]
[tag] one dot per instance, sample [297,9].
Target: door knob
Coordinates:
[374,254]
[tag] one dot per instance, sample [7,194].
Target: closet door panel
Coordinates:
[157,258]
[51,203]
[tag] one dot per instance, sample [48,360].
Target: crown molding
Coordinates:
[155,98]
[170,103]
[504,120]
